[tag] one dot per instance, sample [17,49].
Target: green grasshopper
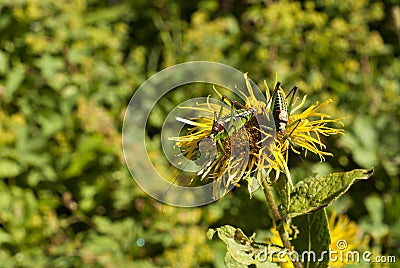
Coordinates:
[223,129]
[281,109]
[224,126]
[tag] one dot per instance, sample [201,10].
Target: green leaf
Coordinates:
[3,62]
[313,194]
[5,237]
[14,80]
[242,249]
[375,207]
[312,243]
[50,122]
[9,168]
[109,13]
[84,155]
[232,263]
[236,244]
[374,222]
[210,234]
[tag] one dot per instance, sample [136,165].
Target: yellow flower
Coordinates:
[345,237]
[300,131]
[242,154]
[253,150]
[304,132]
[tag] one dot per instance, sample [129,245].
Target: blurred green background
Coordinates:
[69,68]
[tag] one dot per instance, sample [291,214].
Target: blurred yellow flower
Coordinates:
[345,237]
[276,240]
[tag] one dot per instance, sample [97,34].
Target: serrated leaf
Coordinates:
[313,194]
[313,239]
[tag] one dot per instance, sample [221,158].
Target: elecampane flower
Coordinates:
[303,130]
[249,149]
[240,151]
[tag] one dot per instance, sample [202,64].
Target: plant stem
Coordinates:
[277,218]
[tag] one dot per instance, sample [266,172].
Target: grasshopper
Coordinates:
[281,110]
[225,126]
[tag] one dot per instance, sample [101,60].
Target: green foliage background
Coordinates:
[69,68]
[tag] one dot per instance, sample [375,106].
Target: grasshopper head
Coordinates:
[218,127]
